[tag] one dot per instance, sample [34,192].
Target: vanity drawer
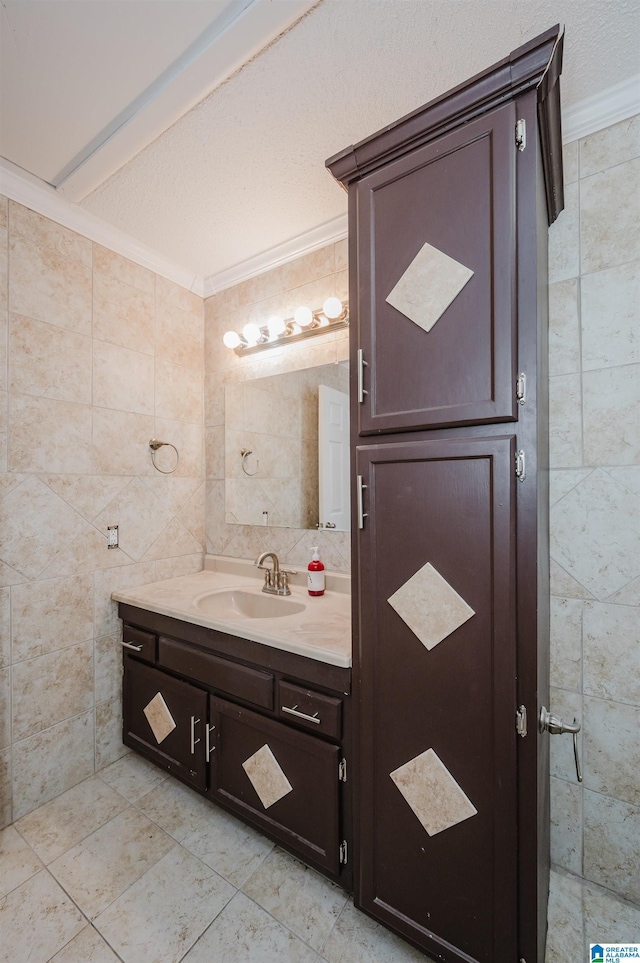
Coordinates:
[250,685]
[312,710]
[139,643]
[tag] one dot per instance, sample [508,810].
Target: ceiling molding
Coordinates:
[608,107]
[33,193]
[229,43]
[313,240]
[581,119]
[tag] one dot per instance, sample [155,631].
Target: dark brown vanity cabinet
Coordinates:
[263,733]
[448,217]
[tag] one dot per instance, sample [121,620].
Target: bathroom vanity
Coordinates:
[260,725]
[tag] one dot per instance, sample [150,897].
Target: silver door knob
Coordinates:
[551,724]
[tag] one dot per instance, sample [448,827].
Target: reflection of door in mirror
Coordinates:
[333,459]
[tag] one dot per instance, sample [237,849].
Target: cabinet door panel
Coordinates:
[306,815]
[181,751]
[457,195]
[437,677]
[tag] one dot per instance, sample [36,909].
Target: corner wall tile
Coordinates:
[565,939]
[28,545]
[564,239]
[594,535]
[564,328]
[48,436]
[122,379]
[122,269]
[566,825]
[604,913]
[610,303]
[50,615]
[178,392]
[5,788]
[611,749]
[611,398]
[611,146]
[47,287]
[122,314]
[565,421]
[612,652]
[109,745]
[609,224]
[5,627]
[5,708]
[179,336]
[51,688]
[612,844]
[52,761]
[108,667]
[566,643]
[121,442]
[48,361]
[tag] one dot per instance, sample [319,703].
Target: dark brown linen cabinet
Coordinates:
[449,210]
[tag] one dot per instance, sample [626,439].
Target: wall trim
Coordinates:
[313,240]
[609,107]
[33,193]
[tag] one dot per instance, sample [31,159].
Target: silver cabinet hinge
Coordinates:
[521,134]
[362,364]
[361,487]
[343,853]
[521,471]
[521,388]
[521,721]
[342,770]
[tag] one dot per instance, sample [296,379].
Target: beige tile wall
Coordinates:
[595,508]
[309,280]
[97,356]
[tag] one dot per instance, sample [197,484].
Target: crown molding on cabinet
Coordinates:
[609,107]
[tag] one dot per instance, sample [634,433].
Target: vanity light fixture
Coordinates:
[305,323]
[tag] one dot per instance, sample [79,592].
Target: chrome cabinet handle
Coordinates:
[556,727]
[360,488]
[301,715]
[128,645]
[362,364]
[194,741]
[208,748]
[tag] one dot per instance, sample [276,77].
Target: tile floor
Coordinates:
[133,866]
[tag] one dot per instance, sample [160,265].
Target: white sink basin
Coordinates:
[240,604]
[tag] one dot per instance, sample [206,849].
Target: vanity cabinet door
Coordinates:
[165,720]
[436,275]
[283,781]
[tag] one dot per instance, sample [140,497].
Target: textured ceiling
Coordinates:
[244,170]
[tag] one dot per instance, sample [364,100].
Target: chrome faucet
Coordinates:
[276,580]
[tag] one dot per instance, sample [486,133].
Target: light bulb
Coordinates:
[231,339]
[332,307]
[303,317]
[251,332]
[276,326]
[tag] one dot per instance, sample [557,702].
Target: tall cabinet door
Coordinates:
[436,660]
[436,310]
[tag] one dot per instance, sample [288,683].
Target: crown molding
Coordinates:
[313,240]
[608,107]
[33,193]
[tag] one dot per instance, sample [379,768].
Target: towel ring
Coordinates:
[244,453]
[154,444]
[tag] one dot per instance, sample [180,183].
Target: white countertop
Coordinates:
[322,631]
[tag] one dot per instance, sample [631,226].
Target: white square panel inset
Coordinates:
[426,289]
[159,718]
[266,776]
[430,606]
[432,793]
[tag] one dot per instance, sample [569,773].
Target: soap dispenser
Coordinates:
[316,574]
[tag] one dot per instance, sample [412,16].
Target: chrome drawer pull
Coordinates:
[208,748]
[301,715]
[136,648]
[194,741]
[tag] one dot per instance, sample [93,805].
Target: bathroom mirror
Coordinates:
[272,452]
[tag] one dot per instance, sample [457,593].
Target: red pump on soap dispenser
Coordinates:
[316,574]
